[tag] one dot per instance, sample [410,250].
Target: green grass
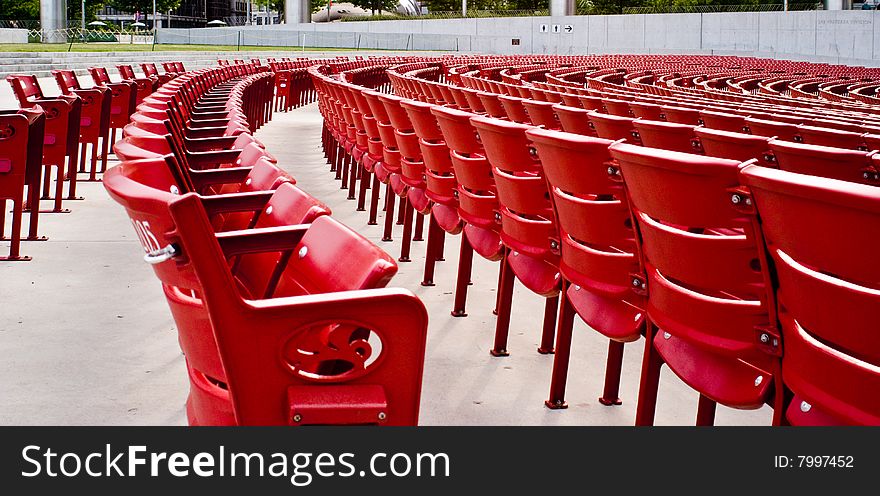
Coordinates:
[126,47]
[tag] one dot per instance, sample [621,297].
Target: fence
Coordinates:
[78,35]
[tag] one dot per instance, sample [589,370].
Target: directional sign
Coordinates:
[544,28]
[568,28]
[556,28]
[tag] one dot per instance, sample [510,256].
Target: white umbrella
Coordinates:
[137,24]
[216,22]
[97,23]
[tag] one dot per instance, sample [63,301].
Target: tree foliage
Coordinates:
[19,9]
[92,7]
[376,6]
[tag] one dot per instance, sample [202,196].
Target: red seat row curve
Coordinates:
[313,336]
[643,219]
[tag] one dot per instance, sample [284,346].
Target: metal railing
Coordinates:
[70,36]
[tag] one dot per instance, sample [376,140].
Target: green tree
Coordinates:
[19,9]
[92,7]
[609,6]
[376,5]
[443,5]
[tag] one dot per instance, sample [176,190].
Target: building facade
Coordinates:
[190,14]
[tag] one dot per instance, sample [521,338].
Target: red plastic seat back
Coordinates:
[62,117]
[681,115]
[26,88]
[822,235]
[440,181]
[141,147]
[474,102]
[405,136]
[477,201]
[514,108]
[780,130]
[596,238]
[574,120]
[126,71]
[150,69]
[67,81]
[613,127]
[872,141]
[722,121]
[527,221]
[834,163]
[20,149]
[706,276]
[335,259]
[100,75]
[650,111]
[616,107]
[492,104]
[541,114]
[666,135]
[256,272]
[733,146]
[592,103]
[824,136]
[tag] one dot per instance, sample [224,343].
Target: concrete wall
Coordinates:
[848,37]
[13,35]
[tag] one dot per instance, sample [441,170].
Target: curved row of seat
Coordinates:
[56,133]
[282,312]
[730,233]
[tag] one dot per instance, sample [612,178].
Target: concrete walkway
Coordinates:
[86,336]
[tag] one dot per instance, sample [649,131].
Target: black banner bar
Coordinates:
[491,459]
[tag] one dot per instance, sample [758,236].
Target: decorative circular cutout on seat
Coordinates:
[332,351]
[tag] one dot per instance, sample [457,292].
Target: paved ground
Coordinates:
[86,337]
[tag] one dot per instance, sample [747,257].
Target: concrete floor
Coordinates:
[86,337]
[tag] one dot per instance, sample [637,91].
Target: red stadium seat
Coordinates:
[731,145]
[598,251]
[145,85]
[722,121]
[94,119]
[477,202]
[515,109]
[542,114]
[707,279]
[151,71]
[574,120]
[377,371]
[780,130]
[59,141]
[828,301]
[412,173]
[613,127]
[834,163]
[528,226]
[123,96]
[666,135]
[21,148]
[824,136]
[440,183]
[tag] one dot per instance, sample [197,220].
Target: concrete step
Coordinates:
[41,64]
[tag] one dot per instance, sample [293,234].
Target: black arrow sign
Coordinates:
[568,29]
